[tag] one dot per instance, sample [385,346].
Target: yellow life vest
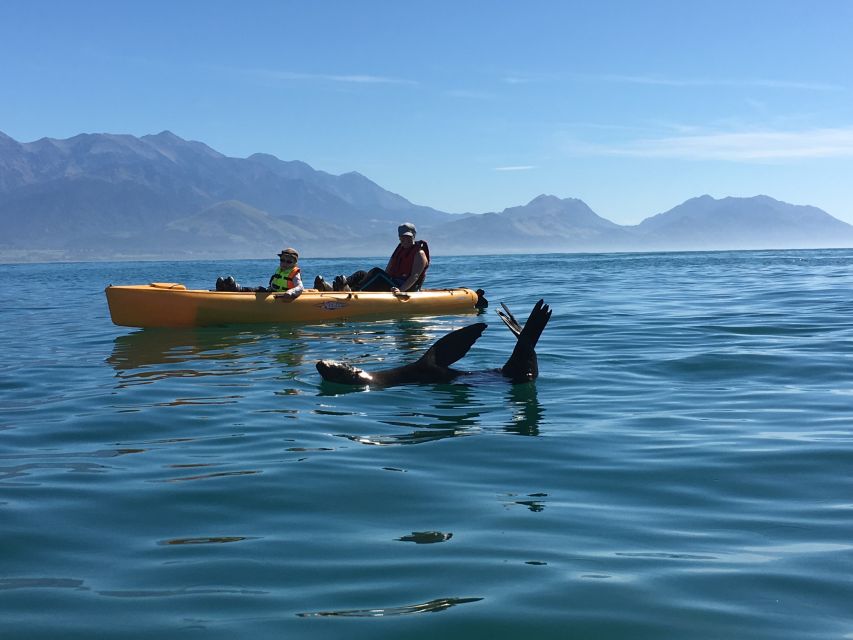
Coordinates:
[282,279]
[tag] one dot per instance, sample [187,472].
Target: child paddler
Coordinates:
[286,281]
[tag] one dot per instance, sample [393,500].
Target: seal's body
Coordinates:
[434,366]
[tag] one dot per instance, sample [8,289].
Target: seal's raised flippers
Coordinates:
[434,366]
[453,346]
[509,320]
[523,364]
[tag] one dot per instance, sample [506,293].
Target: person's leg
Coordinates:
[377,280]
[321,285]
[227,284]
[348,283]
[355,280]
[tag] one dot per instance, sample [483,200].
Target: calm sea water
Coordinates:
[681,468]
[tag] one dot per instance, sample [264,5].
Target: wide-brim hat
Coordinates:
[406,229]
[289,251]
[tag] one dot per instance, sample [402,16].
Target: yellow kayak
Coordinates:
[169,304]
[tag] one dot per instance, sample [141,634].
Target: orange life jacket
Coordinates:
[402,261]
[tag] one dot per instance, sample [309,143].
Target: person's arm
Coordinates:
[418,265]
[296,290]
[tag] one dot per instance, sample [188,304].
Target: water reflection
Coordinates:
[41,583]
[452,410]
[28,474]
[167,346]
[536,505]
[153,354]
[415,437]
[426,537]
[415,335]
[450,406]
[215,474]
[387,343]
[206,540]
[326,388]
[432,606]
[180,593]
[527,411]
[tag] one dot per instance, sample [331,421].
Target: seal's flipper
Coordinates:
[432,367]
[453,346]
[509,320]
[536,322]
[522,364]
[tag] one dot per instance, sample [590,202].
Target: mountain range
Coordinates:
[108,196]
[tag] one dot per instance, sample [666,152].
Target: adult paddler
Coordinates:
[405,271]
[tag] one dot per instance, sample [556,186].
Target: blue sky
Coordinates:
[631,106]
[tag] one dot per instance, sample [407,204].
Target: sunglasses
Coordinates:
[286,259]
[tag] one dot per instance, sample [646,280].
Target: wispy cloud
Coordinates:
[760,83]
[529,78]
[469,94]
[519,167]
[274,74]
[741,146]
[518,80]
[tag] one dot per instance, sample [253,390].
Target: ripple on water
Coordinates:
[439,604]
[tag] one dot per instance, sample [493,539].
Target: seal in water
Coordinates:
[434,366]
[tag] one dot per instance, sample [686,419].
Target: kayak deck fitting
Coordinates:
[168,304]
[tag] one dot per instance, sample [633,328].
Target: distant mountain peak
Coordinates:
[555,202]
[544,202]
[708,199]
[286,169]
[8,142]
[764,198]
[171,145]
[166,134]
[744,222]
[544,199]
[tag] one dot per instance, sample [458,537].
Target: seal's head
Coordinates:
[342,373]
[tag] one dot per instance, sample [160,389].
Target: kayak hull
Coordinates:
[166,304]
